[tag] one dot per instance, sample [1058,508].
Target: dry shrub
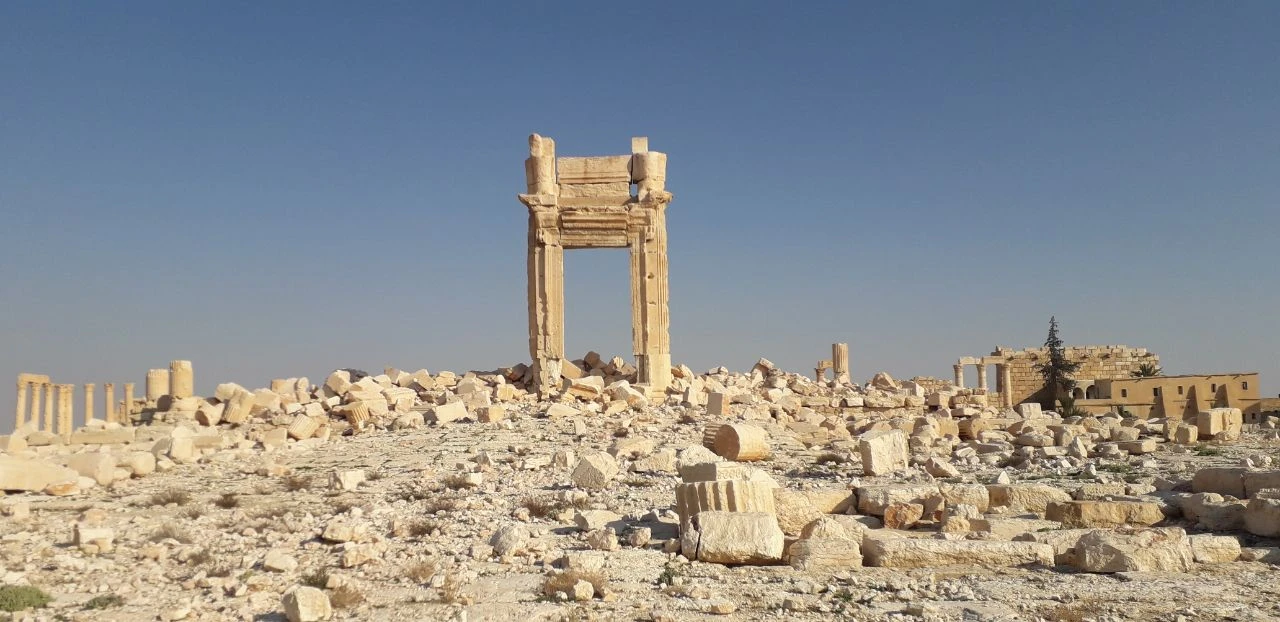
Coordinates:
[345,597]
[294,483]
[227,501]
[421,572]
[170,532]
[442,504]
[173,495]
[451,590]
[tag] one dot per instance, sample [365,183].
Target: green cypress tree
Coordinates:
[1057,370]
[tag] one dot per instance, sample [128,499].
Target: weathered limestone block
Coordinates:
[1141,550]
[717,404]
[1257,481]
[449,413]
[307,604]
[742,442]
[32,475]
[723,496]
[883,452]
[104,436]
[738,538]
[1262,517]
[97,466]
[874,500]
[357,415]
[1212,511]
[239,406]
[1031,497]
[1211,549]
[825,554]
[1139,447]
[903,515]
[975,495]
[303,427]
[338,383]
[210,414]
[1222,480]
[921,553]
[595,471]
[1091,513]
[1063,542]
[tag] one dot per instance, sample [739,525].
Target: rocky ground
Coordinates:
[414,509]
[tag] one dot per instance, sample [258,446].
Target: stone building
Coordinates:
[1018,380]
[1105,382]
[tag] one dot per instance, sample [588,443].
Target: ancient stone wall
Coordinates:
[1110,362]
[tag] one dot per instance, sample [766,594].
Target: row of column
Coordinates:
[1004,380]
[51,407]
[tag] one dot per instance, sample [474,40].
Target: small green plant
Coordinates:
[105,601]
[1120,467]
[1147,370]
[1208,450]
[669,574]
[21,597]
[639,482]
[1067,408]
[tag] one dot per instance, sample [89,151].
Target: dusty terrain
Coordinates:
[226,533]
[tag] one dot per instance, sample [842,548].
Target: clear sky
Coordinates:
[279,189]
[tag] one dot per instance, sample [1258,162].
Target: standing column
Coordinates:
[157,385]
[36,390]
[546,303]
[109,395]
[88,402]
[982,376]
[840,362]
[959,372]
[66,412]
[181,380]
[126,414]
[21,415]
[48,407]
[1006,385]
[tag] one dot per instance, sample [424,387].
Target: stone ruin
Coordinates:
[598,202]
[922,473]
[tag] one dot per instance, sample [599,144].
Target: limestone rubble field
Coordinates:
[732,496]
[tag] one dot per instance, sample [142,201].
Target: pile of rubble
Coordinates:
[433,494]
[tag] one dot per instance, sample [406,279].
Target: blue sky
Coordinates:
[279,189]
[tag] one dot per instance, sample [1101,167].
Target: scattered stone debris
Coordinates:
[412,495]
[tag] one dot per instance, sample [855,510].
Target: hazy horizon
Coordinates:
[284,189]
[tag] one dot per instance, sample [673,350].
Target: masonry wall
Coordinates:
[1096,363]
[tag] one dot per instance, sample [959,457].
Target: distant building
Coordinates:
[1105,382]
